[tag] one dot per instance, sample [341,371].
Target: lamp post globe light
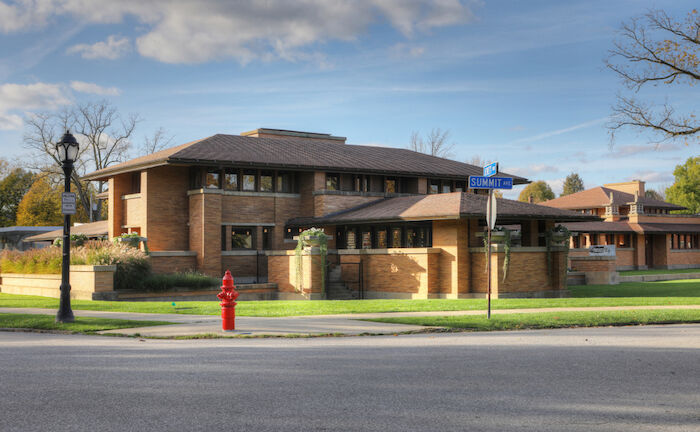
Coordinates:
[67,151]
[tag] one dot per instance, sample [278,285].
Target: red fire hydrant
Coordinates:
[228,296]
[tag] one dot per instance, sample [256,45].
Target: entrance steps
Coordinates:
[336,289]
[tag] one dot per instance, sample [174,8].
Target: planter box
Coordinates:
[87,283]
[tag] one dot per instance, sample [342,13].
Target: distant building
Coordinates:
[644,232]
[18,237]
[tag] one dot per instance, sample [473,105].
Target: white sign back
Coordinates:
[491,210]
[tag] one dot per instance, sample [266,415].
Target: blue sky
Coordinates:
[522,82]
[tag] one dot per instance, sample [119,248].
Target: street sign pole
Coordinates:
[488,253]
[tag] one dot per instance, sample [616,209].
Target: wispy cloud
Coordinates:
[110,49]
[556,132]
[635,149]
[16,99]
[92,88]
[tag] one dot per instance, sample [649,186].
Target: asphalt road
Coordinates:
[604,379]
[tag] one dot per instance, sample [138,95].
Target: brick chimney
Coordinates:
[295,135]
[630,187]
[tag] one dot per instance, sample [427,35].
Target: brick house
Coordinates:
[643,230]
[237,201]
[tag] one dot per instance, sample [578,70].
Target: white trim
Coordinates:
[242,193]
[131,196]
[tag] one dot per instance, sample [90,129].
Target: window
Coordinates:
[285,182]
[332,182]
[231,180]
[396,237]
[434,186]
[381,238]
[249,180]
[460,186]
[390,185]
[446,188]
[242,238]
[290,232]
[266,181]
[624,241]
[136,182]
[212,180]
[350,241]
[366,239]
[267,238]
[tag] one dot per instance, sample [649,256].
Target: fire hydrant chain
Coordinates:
[228,296]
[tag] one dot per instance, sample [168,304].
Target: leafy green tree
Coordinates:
[572,184]
[539,190]
[685,190]
[12,189]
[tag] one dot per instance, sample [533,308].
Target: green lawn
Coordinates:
[81,324]
[675,288]
[552,320]
[682,292]
[655,272]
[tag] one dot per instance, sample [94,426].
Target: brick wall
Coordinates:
[243,265]
[684,258]
[173,264]
[454,263]
[132,211]
[282,271]
[167,208]
[118,186]
[205,231]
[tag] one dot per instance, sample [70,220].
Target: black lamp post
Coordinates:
[67,150]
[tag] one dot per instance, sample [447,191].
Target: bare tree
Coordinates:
[655,49]
[103,134]
[477,160]
[434,143]
[159,141]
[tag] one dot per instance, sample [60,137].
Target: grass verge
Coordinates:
[81,324]
[552,320]
[683,292]
[656,272]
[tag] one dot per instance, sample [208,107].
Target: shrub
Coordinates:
[193,280]
[132,265]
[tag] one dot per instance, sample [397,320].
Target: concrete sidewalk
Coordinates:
[348,324]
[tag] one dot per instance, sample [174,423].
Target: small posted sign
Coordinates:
[68,203]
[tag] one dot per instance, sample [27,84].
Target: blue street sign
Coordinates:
[481,182]
[491,169]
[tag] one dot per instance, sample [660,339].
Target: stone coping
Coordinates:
[248,224]
[587,249]
[684,250]
[593,258]
[242,193]
[362,194]
[516,249]
[241,252]
[73,269]
[131,196]
[172,253]
[389,251]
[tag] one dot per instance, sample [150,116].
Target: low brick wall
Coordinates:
[393,273]
[173,261]
[528,274]
[87,283]
[599,270]
[282,271]
[683,258]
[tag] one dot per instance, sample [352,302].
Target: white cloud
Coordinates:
[181,31]
[652,176]
[557,185]
[110,49]
[531,170]
[92,88]
[20,98]
[402,50]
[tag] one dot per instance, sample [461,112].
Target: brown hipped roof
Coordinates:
[92,229]
[442,206]
[627,227]
[236,150]
[600,197]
